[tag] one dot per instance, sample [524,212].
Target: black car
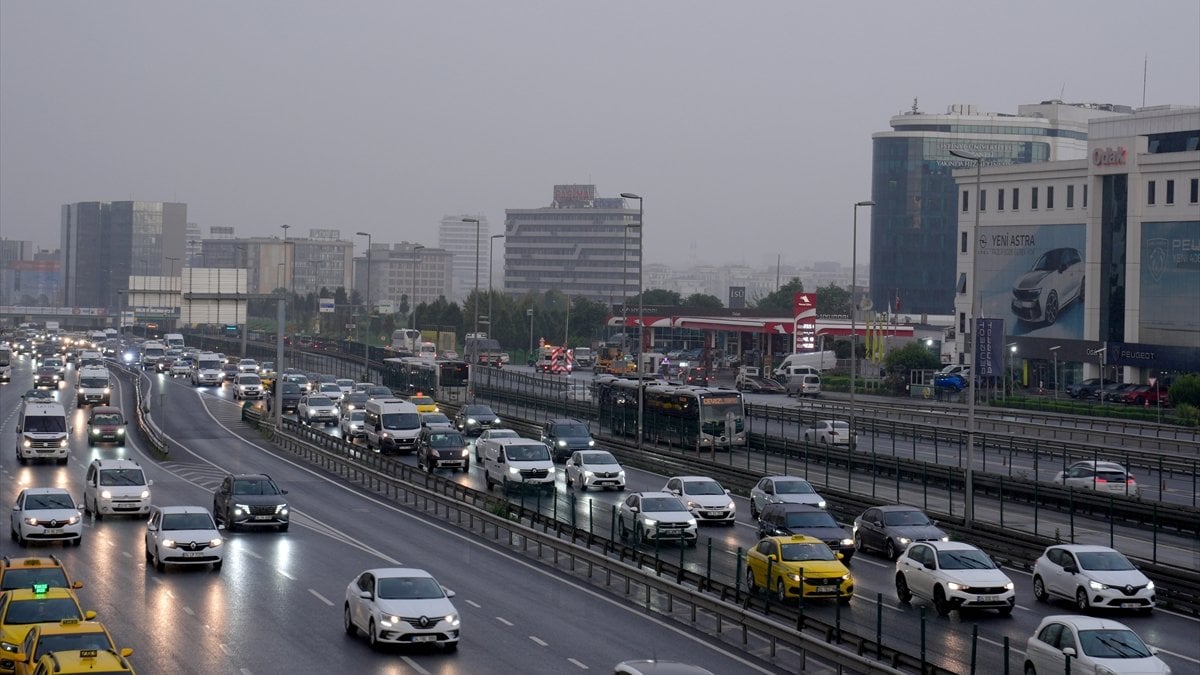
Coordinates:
[438,448]
[473,419]
[288,398]
[47,377]
[229,371]
[250,500]
[564,436]
[783,519]
[1085,389]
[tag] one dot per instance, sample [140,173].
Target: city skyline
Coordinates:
[743,150]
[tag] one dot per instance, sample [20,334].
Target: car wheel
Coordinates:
[61,461]
[940,604]
[1007,611]
[891,551]
[158,563]
[78,541]
[780,591]
[858,542]
[16,535]
[1081,600]
[147,553]
[582,484]
[753,509]
[372,636]
[96,510]
[347,622]
[750,586]
[902,592]
[1039,590]
[1051,313]
[283,527]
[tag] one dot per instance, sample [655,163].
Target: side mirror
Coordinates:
[1069,651]
[151,528]
[284,492]
[727,491]
[365,595]
[1070,569]
[839,556]
[150,482]
[449,593]
[16,508]
[675,492]
[220,526]
[126,652]
[77,585]
[634,509]
[772,557]
[18,428]
[89,615]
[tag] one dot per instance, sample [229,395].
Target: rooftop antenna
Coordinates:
[1062,92]
[915,109]
[1145,73]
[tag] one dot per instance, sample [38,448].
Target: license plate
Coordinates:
[262,517]
[424,638]
[1131,604]
[989,598]
[53,530]
[712,514]
[192,554]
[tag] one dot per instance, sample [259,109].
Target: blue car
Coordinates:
[953,382]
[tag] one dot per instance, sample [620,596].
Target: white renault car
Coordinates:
[1092,646]
[594,468]
[1091,576]
[656,516]
[46,514]
[783,490]
[183,535]
[705,498]
[953,575]
[403,606]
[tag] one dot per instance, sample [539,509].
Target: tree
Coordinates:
[781,300]
[833,300]
[1185,390]
[656,297]
[702,301]
[912,356]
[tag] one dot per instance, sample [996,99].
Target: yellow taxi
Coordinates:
[91,661]
[66,635]
[25,572]
[21,608]
[424,403]
[785,565]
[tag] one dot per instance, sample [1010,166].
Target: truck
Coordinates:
[584,357]
[52,329]
[483,351]
[825,360]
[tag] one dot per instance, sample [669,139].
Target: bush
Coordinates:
[1185,390]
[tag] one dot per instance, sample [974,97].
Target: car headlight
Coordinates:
[215,542]
[62,443]
[281,509]
[621,473]
[9,647]
[591,442]
[847,577]
[107,390]
[121,431]
[847,542]
[168,543]
[649,522]
[1009,586]
[821,504]
[452,619]
[946,538]
[389,620]
[693,505]
[954,586]
[465,453]
[1096,585]
[471,420]
[1149,585]
[589,474]
[691,522]
[434,453]
[95,431]
[904,540]
[239,509]
[794,577]
[145,494]
[106,494]
[514,470]
[731,506]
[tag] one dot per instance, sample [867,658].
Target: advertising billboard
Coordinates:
[989,347]
[737,297]
[1033,277]
[1170,283]
[804,330]
[574,194]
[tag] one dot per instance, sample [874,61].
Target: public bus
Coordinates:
[445,381]
[682,415]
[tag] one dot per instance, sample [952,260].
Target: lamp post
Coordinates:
[367,309]
[475,357]
[1054,351]
[854,303]
[1012,352]
[641,315]
[412,301]
[285,227]
[973,372]
[529,313]
[491,320]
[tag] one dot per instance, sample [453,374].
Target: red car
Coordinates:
[1146,395]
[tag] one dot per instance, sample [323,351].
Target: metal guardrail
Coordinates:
[151,434]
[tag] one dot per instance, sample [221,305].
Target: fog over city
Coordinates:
[745,126]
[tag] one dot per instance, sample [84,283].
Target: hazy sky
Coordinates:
[745,125]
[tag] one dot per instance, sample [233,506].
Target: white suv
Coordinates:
[116,487]
[658,516]
[1091,576]
[953,575]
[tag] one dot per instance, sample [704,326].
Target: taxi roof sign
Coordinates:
[88,653]
[41,588]
[69,622]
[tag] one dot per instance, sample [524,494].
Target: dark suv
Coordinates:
[288,399]
[250,500]
[564,436]
[783,519]
[438,448]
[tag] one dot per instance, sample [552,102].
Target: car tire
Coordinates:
[158,563]
[147,553]
[858,542]
[582,484]
[1029,669]
[1082,604]
[61,461]
[1007,611]
[940,604]
[1039,590]
[903,594]
[78,541]
[890,549]
[95,510]
[691,543]
[372,635]
[347,622]
[753,509]
[751,587]
[1050,315]
[283,527]
[780,591]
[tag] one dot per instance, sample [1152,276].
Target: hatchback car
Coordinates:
[890,529]
[330,390]
[705,498]
[953,575]
[783,489]
[47,377]
[564,436]
[480,441]
[783,519]
[1101,476]
[798,565]
[1091,576]
[436,420]
[105,424]
[247,366]
[424,403]
[438,448]
[830,433]
[1093,646]
[247,386]
[46,514]
[250,500]
[401,606]
[594,468]
[183,535]
[1053,283]
[472,419]
[351,424]
[656,516]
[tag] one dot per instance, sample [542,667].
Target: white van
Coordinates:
[116,487]
[94,386]
[803,384]
[173,340]
[42,431]
[826,360]
[391,425]
[152,352]
[5,363]
[519,462]
[206,370]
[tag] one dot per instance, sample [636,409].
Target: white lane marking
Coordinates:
[537,640]
[414,665]
[189,611]
[284,573]
[577,664]
[1178,656]
[250,553]
[474,604]
[225,649]
[504,621]
[127,554]
[321,597]
[245,671]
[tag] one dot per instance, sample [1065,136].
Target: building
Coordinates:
[581,245]
[402,272]
[1088,265]
[459,239]
[105,243]
[913,188]
[302,266]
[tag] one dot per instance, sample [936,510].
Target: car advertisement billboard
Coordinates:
[1033,277]
[1170,283]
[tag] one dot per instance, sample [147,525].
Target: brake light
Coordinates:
[1101,480]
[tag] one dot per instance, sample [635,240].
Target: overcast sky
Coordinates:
[745,125]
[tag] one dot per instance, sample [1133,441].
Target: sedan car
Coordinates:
[656,516]
[891,528]
[953,575]
[594,468]
[783,489]
[46,514]
[830,433]
[1099,475]
[316,409]
[798,565]
[782,519]
[759,385]
[66,635]
[473,419]
[436,420]
[250,500]
[1085,389]
[402,606]
[183,535]
[1114,392]
[705,498]
[1092,646]
[1091,576]
[351,424]
[25,572]
[1147,395]
[488,435]
[247,366]
[379,392]
[22,608]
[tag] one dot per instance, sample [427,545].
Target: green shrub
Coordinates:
[1185,390]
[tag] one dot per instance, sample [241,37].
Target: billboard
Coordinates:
[1033,277]
[326,305]
[1170,283]
[574,194]
[989,347]
[737,297]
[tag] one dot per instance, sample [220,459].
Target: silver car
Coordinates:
[1099,475]
[783,490]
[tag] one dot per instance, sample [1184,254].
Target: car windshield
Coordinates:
[291,388]
[357,415]
[187,521]
[793,487]
[449,439]
[319,401]
[1103,561]
[794,552]
[420,400]
[408,588]
[964,560]
[249,379]
[502,433]
[598,458]
[1113,643]
[39,502]
[93,382]
[702,487]
[379,391]
[662,504]
[528,452]
[61,642]
[41,610]
[254,487]
[401,420]
[905,518]
[572,431]
[26,577]
[435,418]
[1050,261]
[330,387]
[106,418]
[815,519]
[122,477]
[345,383]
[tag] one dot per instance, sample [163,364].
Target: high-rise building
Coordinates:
[404,271]
[581,245]
[913,222]
[104,243]
[459,239]
[303,266]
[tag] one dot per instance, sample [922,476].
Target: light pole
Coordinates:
[491,261]
[641,315]
[973,372]
[476,221]
[854,303]
[291,272]
[412,301]
[367,310]
[1054,351]
[529,313]
[1012,352]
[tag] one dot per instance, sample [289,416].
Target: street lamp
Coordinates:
[529,313]
[491,320]
[1054,351]
[641,316]
[973,372]
[854,311]
[367,309]
[1012,352]
[476,221]
[412,301]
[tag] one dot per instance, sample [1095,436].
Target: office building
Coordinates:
[403,272]
[913,222]
[458,238]
[300,265]
[579,245]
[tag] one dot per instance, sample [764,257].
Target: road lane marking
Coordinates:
[414,665]
[539,641]
[225,649]
[284,573]
[577,664]
[188,610]
[504,621]
[474,604]
[250,553]
[1178,656]
[321,597]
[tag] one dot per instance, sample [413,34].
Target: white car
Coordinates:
[46,514]
[331,390]
[829,432]
[489,435]
[1099,475]
[247,366]
[594,468]
[316,408]
[346,385]
[183,535]
[399,605]
[953,575]
[1091,576]
[705,498]
[351,424]
[1095,647]
[658,516]
[247,386]
[181,367]
[783,490]
[437,421]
